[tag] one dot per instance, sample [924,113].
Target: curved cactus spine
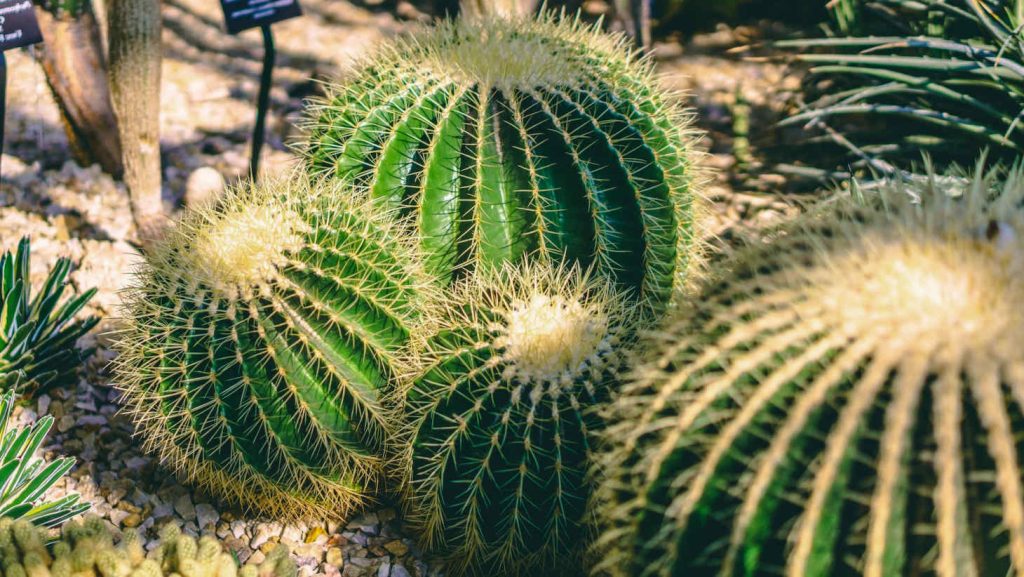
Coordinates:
[846,400]
[503,136]
[88,549]
[263,339]
[501,418]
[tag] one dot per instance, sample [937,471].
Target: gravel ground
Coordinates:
[209,84]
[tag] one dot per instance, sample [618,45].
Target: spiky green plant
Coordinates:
[25,478]
[498,137]
[501,417]
[38,334]
[88,549]
[946,76]
[262,339]
[846,400]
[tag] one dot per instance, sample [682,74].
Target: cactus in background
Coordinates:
[135,55]
[24,478]
[263,336]
[499,137]
[38,334]
[87,549]
[501,418]
[845,400]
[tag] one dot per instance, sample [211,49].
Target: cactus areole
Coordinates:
[263,336]
[505,136]
[500,446]
[848,400]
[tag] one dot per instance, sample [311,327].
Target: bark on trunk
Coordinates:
[72,58]
[135,56]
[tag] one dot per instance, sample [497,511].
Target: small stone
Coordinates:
[399,571]
[335,558]
[206,515]
[384,570]
[237,529]
[292,534]
[263,533]
[397,548]
[203,186]
[184,507]
[132,520]
[315,534]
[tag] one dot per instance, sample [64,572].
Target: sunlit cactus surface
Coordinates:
[263,339]
[503,416]
[846,400]
[500,137]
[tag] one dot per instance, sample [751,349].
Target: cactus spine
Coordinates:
[500,419]
[87,549]
[846,400]
[504,136]
[262,339]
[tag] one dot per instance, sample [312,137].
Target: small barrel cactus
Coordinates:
[263,339]
[501,419]
[845,400]
[88,549]
[499,137]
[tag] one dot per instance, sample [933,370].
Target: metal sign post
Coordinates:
[242,15]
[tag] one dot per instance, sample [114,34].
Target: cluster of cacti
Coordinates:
[88,549]
[263,339]
[498,137]
[845,400]
[502,417]
[38,333]
[25,478]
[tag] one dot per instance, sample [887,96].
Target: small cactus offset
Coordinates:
[845,400]
[499,137]
[38,333]
[263,338]
[502,417]
[88,549]
[25,477]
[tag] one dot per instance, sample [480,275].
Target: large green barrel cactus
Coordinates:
[847,400]
[502,416]
[499,137]
[262,339]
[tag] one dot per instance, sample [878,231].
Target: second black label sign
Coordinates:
[241,15]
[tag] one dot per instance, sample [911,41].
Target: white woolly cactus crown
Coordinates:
[263,340]
[847,399]
[501,417]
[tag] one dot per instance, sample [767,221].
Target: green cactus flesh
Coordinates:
[263,336]
[500,439]
[845,400]
[88,549]
[503,137]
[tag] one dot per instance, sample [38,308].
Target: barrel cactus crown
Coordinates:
[263,339]
[847,400]
[501,136]
[500,438]
[88,549]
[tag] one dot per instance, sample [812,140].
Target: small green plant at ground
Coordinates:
[500,137]
[38,333]
[943,76]
[844,400]
[25,478]
[501,420]
[88,549]
[263,339]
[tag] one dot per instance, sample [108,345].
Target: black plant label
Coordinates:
[241,15]
[18,24]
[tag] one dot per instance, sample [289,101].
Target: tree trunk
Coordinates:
[72,58]
[135,56]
